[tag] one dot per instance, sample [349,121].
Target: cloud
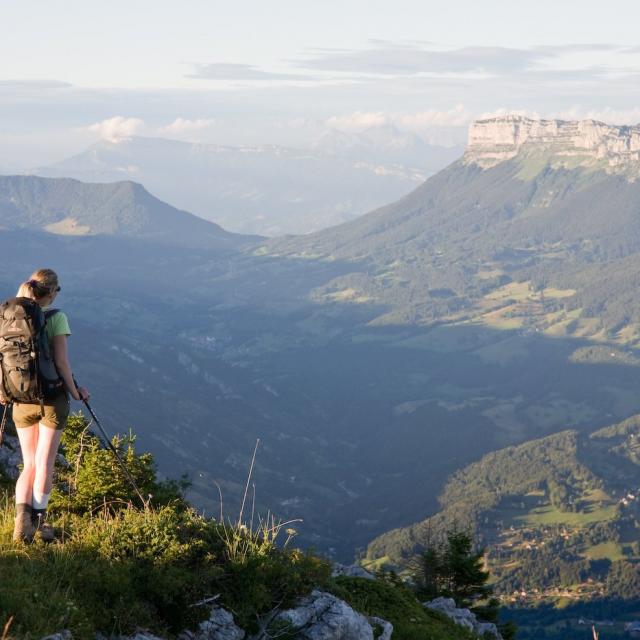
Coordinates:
[607,114]
[358,121]
[34,84]
[116,128]
[579,48]
[302,122]
[235,71]
[417,122]
[588,61]
[184,126]
[502,112]
[413,60]
[457,116]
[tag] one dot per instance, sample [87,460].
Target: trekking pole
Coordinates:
[123,466]
[3,424]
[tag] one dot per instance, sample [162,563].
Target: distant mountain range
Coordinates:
[386,145]
[268,190]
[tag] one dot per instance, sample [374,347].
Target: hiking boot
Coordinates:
[47,532]
[23,530]
[43,528]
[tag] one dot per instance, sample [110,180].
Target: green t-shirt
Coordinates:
[57,325]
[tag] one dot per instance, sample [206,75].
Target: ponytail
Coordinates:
[41,284]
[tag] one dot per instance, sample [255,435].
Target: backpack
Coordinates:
[27,371]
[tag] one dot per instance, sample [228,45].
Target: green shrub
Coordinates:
[92,477]
[391,600]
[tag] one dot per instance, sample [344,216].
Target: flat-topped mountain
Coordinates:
[69,207]
[574,143]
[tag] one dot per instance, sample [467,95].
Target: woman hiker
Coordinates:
[40,435]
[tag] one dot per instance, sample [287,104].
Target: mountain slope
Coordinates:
[69,207]
[547,219]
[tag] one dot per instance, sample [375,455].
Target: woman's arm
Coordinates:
[61,359]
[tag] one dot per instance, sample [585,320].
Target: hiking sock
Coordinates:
[40,501]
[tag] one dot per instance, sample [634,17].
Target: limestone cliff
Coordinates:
[570,143]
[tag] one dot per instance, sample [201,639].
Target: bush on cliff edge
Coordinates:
[119,567]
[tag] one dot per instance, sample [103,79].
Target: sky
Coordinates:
[288,71]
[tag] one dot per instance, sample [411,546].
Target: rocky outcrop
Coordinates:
[352,571]
[583,142]
[322,616]
[384,625]
[219,626]
[10,457]
[463,617]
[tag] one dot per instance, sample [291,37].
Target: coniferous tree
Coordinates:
[455,570]
[465,579]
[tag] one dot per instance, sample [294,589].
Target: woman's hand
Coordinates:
[81,394]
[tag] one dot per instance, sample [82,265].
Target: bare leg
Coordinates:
[24,530]
[45,457]
[28,437]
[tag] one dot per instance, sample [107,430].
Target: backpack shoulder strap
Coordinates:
[49,313]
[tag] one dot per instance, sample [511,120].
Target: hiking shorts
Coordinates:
[56,413]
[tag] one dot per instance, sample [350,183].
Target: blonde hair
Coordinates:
[40,284]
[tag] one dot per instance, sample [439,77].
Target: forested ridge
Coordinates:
[559,517]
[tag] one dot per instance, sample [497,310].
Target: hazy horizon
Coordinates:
[73,74]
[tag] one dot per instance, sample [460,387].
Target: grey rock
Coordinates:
[140,634]
[10,459]
[463,621]
[322,616]
[352,570]
[489,628]
[463,617]
[387,627]
[219,626]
